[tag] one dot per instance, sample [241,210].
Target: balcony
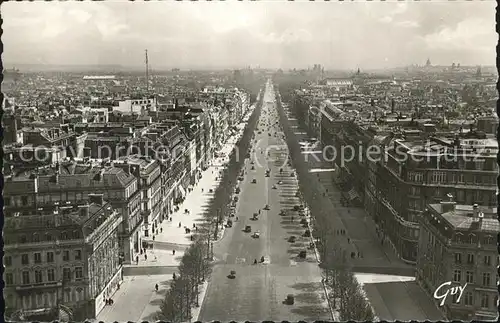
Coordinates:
[26,287]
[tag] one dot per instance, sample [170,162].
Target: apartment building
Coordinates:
[149,178]
[63,253]
[73,181]
[458,244]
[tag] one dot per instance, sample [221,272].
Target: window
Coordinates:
[38,258]
[65,255]
[460,195]
[24,200]
[469,277]
[6,201]
[25,259]
[438,177]
[457,275]
[487,260]
[64,236]
[78,254]
[458,258]
[470,258]
[468,299]
[66,274]
[38,276]
[455,299]
[48,237]
[50,256]
[26,277]
[36,238]
[51,276]
[486,279]
[9,279]
[7,260]
[485,301]
[461,178]
[78,273]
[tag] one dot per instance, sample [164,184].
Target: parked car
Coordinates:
[292,239]
[307,233]
[303,254]
[254,181]
[256,234]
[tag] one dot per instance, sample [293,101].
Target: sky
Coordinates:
[231,34]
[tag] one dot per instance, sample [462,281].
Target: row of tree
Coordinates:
[184,288]
[347,295]
[195,265]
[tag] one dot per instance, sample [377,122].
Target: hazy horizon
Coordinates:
[271,34]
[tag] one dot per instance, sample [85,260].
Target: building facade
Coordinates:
[458,244]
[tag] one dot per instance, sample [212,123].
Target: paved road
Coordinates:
[258,291]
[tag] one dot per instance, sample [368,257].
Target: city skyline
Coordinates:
[186,35]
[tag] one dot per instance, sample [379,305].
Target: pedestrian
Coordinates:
[137,259]
[194,225]
[348,240]
[180,224]
[156,287]
[171,219]
[191,237]
[161,230]
[173,252]
[202,190]
[154,236]
[145,256]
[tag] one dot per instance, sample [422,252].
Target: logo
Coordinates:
[438,294]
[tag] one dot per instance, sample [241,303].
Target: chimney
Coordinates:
[449,205]
[96,199]
[475,211]
[83,210]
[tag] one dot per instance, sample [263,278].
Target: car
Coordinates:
[267,207]
[238,190]
[307,233]
[280,182]
[240,178]
[232,274]
[290,299]
[256,234]
[292,174]
[252,162]
[253,167]
[292,239]
[248,228]
[274,187]
[254,181]
[303,254]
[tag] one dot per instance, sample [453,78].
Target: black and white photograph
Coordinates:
[200,161]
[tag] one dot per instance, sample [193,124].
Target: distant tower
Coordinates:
[147,72]
[428,63]
[478,72]
[359,71]
[393,105]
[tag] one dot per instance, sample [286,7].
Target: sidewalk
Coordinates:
[136,300]
[196,202]
[359,227]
